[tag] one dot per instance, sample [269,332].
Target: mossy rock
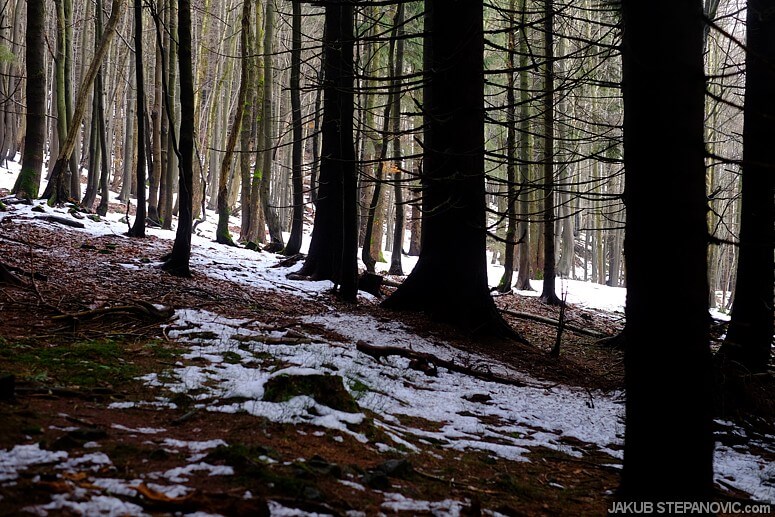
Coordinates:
[328,390]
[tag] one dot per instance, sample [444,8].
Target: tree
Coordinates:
[667,353]
[178,261]
[749,338]
[334,245]
[398,189]
[28,181]
[549,293]
[504,286]
[297,226]
[267,132]
[138,228]
[449,282]
[222,234]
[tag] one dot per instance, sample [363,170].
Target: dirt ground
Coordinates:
[71,361]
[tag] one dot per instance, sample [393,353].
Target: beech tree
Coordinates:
[667,352]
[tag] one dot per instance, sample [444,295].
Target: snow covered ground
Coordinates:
[470,414]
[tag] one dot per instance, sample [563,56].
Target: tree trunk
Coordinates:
[297,225]
[667,375]
[178,261]
[222,233]
[398,189]
[138,228]
[333,249]
[168,190]
[453,291]
[504,286]
[749,338]
[549,293]
[270,213]
[28,181]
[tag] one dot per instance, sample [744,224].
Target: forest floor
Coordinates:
[136,392]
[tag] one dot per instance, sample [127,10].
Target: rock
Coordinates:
[321,466]
[395,468]
[376,480]
[327,390]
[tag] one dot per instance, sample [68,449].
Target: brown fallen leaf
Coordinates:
[155,495]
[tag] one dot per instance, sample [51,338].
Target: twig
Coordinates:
[452,482]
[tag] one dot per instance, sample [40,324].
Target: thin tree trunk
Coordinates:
[178,261]
[138,228]
[297,225]
[398,229]
[270,213]
[548,293]
[222,234]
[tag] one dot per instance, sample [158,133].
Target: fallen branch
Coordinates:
[61,220]
[452,482]
[428,363]
[139,308]
[7,277]
[555,323]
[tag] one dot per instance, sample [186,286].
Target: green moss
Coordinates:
[328,390]
[82,363]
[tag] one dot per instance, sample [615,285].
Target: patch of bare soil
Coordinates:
[80,301]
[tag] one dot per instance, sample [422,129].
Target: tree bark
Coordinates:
[138,228]
[667,376]
[453,290]
[28,181]
[222,233]
[333,249]
[749,338]
[297,225]
[549,293]
[178,261]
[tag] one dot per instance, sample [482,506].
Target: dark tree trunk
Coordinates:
[549,292]
[333,250]
[297,225]
[178,261]
[504,286]
[398,188]
[372,240]
[222,233]
[28,182]
[449,281]
[667,353]
[749,338]
[138,228]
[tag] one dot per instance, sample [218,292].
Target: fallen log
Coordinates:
[555,323]
[428,363]
[60,220]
